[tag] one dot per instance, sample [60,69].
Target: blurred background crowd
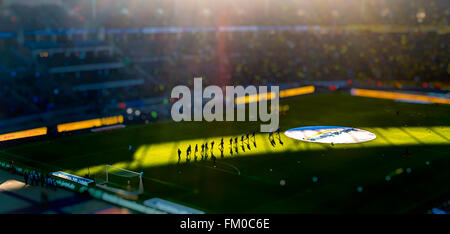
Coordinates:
[143,13]
[94,57]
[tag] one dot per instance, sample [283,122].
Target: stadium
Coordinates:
[87,102]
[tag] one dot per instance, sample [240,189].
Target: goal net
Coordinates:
[123,181]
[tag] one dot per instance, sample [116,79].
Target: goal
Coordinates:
[122,181]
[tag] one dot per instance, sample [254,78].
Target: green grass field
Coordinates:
[372,177]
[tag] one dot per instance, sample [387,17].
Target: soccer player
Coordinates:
[203,150]
[247,138]
[278,134]
[187,155]
[195,152]
[214,160]
[212,146]
[272,139]
[279,137]
[272,142]
[179,155]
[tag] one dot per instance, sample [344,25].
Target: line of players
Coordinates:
[272,138]
[245,143]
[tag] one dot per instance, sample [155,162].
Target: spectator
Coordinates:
[25,177]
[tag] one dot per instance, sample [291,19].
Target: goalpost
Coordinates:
[122,181]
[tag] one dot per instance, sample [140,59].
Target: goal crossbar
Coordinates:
[121,169]
[124,173]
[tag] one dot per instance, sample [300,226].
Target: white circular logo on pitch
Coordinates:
[330,134]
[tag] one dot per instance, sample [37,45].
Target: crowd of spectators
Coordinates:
[33,177]
[278,57]
[144,13]
[222,58]
[238,58]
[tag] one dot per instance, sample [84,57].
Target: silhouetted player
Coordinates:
[221,148]
[187,155]
[179,155]
[214,160]
[195,152]
[279,137]
[271,139]
[203,150]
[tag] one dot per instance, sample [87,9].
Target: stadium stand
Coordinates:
[67,62]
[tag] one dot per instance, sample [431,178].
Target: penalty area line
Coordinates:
[243,175]
[231,165]
[170,184]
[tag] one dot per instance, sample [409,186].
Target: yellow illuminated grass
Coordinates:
[166,153]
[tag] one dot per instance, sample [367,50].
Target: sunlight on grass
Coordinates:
[150,155]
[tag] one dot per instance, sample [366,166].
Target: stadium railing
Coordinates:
[20,168]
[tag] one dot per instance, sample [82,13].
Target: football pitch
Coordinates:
[404,169]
